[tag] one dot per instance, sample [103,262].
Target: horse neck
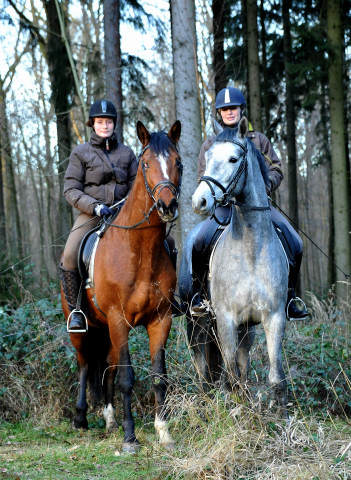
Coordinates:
[246,222]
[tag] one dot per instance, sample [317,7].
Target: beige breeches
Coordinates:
[81,226]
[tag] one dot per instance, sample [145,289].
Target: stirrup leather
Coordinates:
[77,330]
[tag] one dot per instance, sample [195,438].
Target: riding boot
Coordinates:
[198,305]
[293,312]
[71,283]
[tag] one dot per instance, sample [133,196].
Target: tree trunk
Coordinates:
[266,105]
[290,118]
[341,206]
[10,208]
[253,65]
[62,87]
[113,64]
[219,70]
[187,102]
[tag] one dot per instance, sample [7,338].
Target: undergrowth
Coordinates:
[218,434]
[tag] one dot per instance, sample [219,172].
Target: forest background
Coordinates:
[291,59]
[158,62]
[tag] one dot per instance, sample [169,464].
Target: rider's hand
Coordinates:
[103,211]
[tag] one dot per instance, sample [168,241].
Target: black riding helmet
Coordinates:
[102,108]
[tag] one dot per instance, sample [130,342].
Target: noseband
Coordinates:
[161,185]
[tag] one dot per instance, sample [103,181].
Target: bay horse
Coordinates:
[133,285]
[248,280]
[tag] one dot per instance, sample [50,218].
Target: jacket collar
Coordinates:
[100,142]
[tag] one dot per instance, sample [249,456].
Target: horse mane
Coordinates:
[160,142]
[230,134]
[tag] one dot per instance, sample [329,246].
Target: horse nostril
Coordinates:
[203,204]
[160,206]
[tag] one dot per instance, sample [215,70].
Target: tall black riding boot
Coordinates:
[70,283]
[198,305]
[293,312]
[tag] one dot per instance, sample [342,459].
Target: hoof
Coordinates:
[131,447]
[80,424]
[168,446]
[111,426]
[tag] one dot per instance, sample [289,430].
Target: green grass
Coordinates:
[28,452]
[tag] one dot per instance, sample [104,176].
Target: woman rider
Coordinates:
[99,174]
[230,105]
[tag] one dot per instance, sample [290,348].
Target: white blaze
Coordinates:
[163,162]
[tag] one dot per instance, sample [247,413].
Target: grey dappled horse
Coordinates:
[248,269]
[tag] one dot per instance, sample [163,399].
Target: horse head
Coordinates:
[162,168]
[226,163]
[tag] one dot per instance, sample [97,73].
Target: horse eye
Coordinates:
[233,159]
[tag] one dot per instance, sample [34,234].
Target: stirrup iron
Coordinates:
[77,330]
[290,319]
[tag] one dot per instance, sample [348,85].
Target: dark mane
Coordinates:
[230,134]
[160,142]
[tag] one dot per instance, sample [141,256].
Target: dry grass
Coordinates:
[221,436]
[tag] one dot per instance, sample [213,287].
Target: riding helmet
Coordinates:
[230,96]
[102,108]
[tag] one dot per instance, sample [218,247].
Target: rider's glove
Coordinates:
[103,211]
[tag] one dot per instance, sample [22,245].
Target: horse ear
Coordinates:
[174,131]
[243,127]
[143,133]
[217,127]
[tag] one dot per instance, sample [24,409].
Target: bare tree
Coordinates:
[113,62]
[187,102]
[253,66]
[340,177]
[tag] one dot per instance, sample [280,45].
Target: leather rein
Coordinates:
[161,185]
[225,200]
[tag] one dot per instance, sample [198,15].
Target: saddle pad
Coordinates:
[287,240]
[85,251]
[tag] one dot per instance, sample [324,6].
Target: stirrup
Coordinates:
[203,304]
[291,319]
[77,330]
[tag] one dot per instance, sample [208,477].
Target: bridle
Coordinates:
[161,185]
[226,200]
[164,183]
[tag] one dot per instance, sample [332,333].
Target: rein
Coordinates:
[224,200]
[163,184]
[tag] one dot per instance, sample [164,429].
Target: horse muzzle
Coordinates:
[168,212]
[202,200]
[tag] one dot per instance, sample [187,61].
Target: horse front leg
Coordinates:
[274,330]
[158,333]
[246,337]
[119,356]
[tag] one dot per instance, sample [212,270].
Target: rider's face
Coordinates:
[104,126]
[230,115]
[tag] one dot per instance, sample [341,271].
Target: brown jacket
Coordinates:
[263,144]
[96,176]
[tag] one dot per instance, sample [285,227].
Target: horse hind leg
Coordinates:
[80,419]
[109,410]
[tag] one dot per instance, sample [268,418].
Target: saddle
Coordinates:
[287,240]
[89,245]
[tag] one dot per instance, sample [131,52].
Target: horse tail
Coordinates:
[97,348]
